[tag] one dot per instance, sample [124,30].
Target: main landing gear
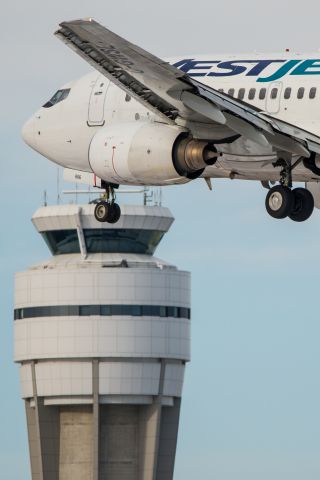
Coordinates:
[282,201]
[107,210]
[297,204]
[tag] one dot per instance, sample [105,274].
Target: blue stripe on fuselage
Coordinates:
[265,70]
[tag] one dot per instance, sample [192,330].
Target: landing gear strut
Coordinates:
[107,210]
[282,201]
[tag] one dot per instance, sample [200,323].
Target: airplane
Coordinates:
[140,120]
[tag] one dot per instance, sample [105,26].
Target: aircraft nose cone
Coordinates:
[28,133]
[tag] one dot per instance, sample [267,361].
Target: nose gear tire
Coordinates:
[101,211]
[114,213]
[279,202]
[303,205]
[107,212]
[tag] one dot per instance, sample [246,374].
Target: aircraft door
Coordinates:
[274,93]
[97,101]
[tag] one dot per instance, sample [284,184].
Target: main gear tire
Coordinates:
[303,205]
[114,213]
[279,202]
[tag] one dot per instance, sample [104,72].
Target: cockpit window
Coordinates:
[57,97]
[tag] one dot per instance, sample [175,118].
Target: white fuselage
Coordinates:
[283,85]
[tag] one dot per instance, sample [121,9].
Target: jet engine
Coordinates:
[145,153]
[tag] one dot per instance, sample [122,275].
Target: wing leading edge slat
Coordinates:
[161,88]
[113,57]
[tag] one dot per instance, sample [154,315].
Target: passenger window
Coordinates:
[300,93]
[262,93]
[221,90]
[252,93]
[287,93]
[231,92]
[241,93]
[313,93]
[274,93]
[128,98]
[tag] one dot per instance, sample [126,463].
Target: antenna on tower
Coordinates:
[150,196]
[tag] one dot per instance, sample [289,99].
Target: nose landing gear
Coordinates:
[107,210]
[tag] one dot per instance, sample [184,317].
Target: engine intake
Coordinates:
[145,153]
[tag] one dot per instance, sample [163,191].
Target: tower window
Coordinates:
[102,310]
[136,311]
[173,312]
[99,240]
[122,240]
[62,242]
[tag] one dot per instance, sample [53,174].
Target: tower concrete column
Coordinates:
[102,336]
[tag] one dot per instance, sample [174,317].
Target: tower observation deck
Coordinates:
[102,336]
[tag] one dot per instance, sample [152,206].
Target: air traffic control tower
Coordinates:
[102,335]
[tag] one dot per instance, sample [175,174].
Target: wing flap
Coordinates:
[202,106]
[279,131]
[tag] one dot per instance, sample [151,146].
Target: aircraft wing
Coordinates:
[173,94]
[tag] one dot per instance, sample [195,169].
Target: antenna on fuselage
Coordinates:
[58,186]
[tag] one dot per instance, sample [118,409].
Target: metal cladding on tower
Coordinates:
[102,335]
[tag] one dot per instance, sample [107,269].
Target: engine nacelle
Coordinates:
[145,153]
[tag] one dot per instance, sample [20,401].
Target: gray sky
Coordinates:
[252,393]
